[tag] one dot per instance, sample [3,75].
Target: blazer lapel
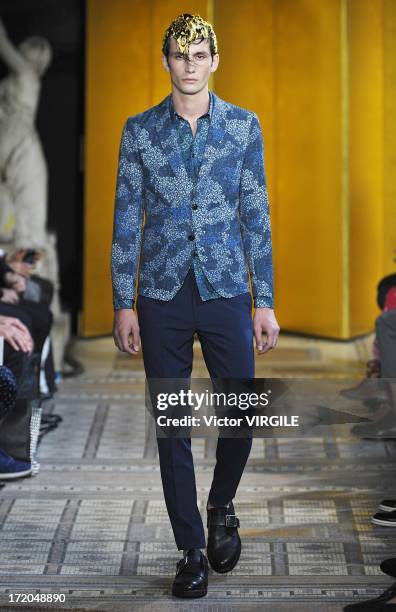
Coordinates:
[168,137]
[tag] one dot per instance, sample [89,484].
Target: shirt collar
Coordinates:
[173,113]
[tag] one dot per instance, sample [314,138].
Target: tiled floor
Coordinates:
[93,525]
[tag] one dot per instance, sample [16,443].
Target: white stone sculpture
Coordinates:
[23,168]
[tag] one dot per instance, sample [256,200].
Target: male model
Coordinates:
[194,163]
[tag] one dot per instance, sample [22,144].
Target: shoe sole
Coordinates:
[386,508]
[15,475]
[382,523]
[227,569]
[190,594]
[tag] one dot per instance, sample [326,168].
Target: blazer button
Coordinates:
[191,237]
[194,206]
[195,254]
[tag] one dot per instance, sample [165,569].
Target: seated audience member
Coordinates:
[379,392]
[39,317]
[18,344]
[386,337]
[385,426]
[367,390]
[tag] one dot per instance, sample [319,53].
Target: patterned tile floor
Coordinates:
[93,525]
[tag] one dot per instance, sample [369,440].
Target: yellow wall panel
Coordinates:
[117,85]
[309,166]
[389,236]
[366,160]
[282,60]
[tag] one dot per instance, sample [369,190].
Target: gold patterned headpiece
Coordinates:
[187,28]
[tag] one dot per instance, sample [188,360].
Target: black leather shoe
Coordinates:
[375,605]
[224,543]
[389,567]
[191,578]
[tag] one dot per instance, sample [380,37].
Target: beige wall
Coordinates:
[321,76]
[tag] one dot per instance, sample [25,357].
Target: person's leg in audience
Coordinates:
[15,361]
[8,391]
[38,318]
[385,425]
[42,320]
[386,337]
[11,468]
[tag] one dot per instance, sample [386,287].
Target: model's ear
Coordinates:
[165,63]
[215,63]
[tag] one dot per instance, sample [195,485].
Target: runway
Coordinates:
[93,525]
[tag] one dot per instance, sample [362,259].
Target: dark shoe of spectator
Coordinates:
[373,368]
[191,578]
[48,423]
[384,428]
[387,505]
[386,519]
[224,543]
[389,567]
[11,468]
[375,605]
[371,390]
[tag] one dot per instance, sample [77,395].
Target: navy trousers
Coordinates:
[225,330]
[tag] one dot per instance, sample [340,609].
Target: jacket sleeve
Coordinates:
[127,224]
[254,217]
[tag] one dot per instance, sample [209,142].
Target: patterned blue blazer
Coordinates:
[223,217]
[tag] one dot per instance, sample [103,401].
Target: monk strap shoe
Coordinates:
[224,543]
[191,579]
[231,520]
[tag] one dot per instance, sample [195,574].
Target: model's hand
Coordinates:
[264,321]
[126,331]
